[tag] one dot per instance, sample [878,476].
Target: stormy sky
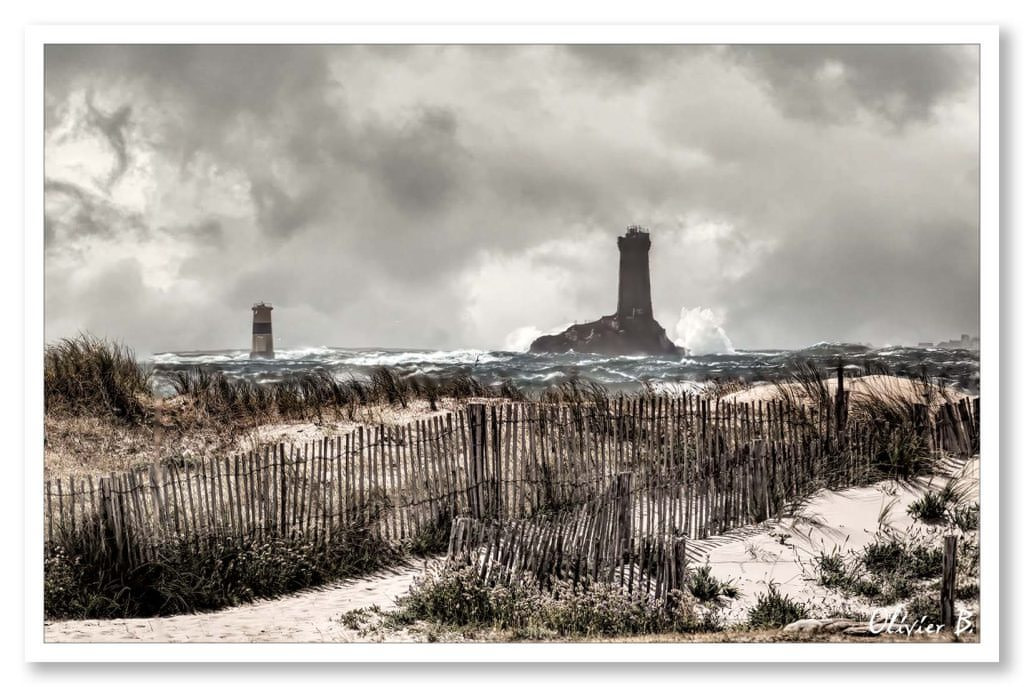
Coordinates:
[470,196]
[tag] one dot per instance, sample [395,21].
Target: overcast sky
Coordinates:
[465,196]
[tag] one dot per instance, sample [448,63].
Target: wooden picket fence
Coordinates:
[697,467]
[758,461]
[596,542]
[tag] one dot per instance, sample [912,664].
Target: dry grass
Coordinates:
[92,376]
[862,389]
[80,445]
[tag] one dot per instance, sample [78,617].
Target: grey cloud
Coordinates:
[632,65]
[113,126]
[899,83]
[278,213]
[418,165]
[879,295]
[83,213]
[362,215]
[118,305]
[206,232]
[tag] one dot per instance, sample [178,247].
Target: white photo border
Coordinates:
[985,36]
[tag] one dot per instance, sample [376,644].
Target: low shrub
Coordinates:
[62,597]
[357,618]
[969,557]
[886,571]
[865,586]
[831,569]
[190,575]
[932,507]
[895,587]
[708,589]
[966,517]
[968,591]
[895,556]
[432,538]
[456,597]
[923,605]
[774,610]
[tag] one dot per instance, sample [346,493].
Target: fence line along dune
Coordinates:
[593,488]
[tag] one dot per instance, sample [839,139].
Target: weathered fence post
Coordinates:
[110,532]
[477,417]
[840,406]
[922,427]
[454,537]
[948,580]
[679,563]
[624,515]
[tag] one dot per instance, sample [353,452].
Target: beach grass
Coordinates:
[87,375]
[456,599]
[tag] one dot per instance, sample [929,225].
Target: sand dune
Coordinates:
[779,552]
[782,552]
[860,388]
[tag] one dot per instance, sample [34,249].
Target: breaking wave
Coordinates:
[531,371]
[700,332]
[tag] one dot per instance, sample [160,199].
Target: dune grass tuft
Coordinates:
[87,375]
[773,609]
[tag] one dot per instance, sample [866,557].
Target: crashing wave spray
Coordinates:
[700,331]
[519,340]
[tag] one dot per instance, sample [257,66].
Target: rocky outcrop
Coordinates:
[632,330]
[610,335]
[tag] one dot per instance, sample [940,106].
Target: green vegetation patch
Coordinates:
[454,598]
[772,609]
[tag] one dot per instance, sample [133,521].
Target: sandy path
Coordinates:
[310,616]
[782,552]
[779,552]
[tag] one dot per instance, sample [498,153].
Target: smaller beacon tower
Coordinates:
[262,332]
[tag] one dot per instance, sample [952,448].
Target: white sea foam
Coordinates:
[211,358]
[700,331]
[303,353]
[393,358]
[519,339]
[534,370]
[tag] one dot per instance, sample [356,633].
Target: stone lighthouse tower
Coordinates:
[634,275]
[262,332]
[632,329]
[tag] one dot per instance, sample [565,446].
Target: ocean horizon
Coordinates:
[956,367]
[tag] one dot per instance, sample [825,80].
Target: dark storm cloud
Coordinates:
[215,84]
[376,193]
[632,64]
[418,165]
[74,212]
[900,83]
[277,212]
[113,126]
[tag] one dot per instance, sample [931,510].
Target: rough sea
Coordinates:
[959,368]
